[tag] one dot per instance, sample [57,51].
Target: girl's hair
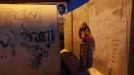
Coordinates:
[83,27]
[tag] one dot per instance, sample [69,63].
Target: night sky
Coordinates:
[73,4]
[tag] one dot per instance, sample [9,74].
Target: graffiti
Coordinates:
[4,44]
[36,61]
[28,16]
[7,35]
[23,28]
[27,37]
[33,42]
[87,45]
[8,24]
[46,37]
[38,53]
[23,14]
[5,39]
[13,49]
[11,38]
[12,15]
[14,40]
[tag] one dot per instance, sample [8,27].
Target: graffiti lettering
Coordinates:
[4,39]
[32,40]
[38,54]
[41,37]
[3,43]
[28,15]
[36,62]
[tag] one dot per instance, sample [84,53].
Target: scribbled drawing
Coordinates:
[23,28]
[9,17]
[14,41]
[36,61]
[15,33]
[20,15]
[12,14]
[34,16]
[118,12]
[26,36]
[8,24]
[113,55]
[37,52]
[33,42]
[7,41]
[46,37]
[25,15]
[4,39]
[28,16]
[4,44]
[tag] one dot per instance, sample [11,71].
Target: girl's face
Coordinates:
[85,34]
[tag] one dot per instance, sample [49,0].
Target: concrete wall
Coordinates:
[109,22]
[68,42]
[29,40]
[79,15]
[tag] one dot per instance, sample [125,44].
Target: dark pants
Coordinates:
[85,58]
